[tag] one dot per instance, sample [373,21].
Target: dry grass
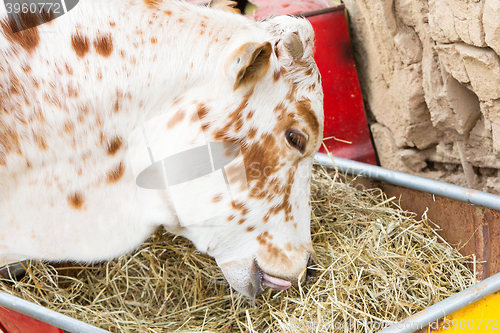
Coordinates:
[377,265]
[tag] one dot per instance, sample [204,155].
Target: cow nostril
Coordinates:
[309,271]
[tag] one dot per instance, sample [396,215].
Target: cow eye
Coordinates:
[296,139]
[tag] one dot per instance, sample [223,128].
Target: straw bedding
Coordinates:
[377,265]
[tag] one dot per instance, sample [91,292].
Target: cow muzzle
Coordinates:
[248,278]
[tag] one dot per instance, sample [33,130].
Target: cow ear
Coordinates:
[226,5]
[249,63]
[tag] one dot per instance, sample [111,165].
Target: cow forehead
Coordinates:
[290,99]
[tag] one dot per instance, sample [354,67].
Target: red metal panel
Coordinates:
[345,117]
[14,322]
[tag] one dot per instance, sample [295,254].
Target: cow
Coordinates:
[88,98]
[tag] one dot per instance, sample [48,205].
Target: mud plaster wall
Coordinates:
[430,75]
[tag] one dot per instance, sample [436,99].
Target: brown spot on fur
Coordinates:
[305,112]
[168,12]
[83,111]
[52,99]
[80,44]
[241,221]
[261,239]
[98,121]
[266,218]
[288,246]
[205,126]
[153,4]
[40,141]
[244,103]
[276,75]
[72,92]
[9,142]
[217,198]
[112,24]
[270,252]
[115,174]
[69,127]
[153,40]
[15,86]
[251,133]
[280,108]
[14,32]
[261,159]
[274,253]
[69,70]
[177,100]
[45,16]
[116,106]
[292,92]
[202,111]
[76,200]
[250,229]
[240,206]
[176,119]
[114,145]
[284,206]
[104,45]
[230,218]
[235,120]
[264,188]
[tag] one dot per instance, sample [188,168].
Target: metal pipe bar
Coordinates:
[447,306]
[410,181]
[47,316]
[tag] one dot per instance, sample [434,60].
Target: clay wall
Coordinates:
[430,75]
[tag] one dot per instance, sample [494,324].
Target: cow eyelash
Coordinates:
[296,140]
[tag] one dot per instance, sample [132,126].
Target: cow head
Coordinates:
[256,130]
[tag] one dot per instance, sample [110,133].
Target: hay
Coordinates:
[377,265]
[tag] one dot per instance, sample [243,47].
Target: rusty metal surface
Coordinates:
[469,228]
